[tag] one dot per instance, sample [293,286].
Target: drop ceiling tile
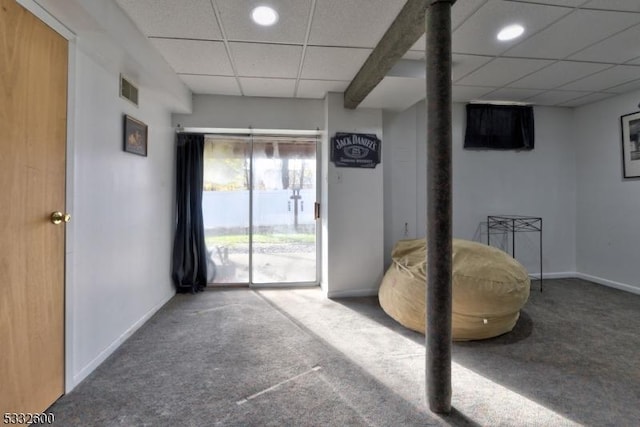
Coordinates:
[319,88]
[465,64]
[215,85]
[555,97]
[169,18]
[558,74]
[478,34]
[626,87]
[266,60]
[279,88]
[408,68]
[469,93]
[354,23]
[333,63]
[420,45]
[293,16]
[609,78]
[623,5]
[395,93]
[512,94]
[574,32]
[462,10]
[462,65]
[414,55]
[502,71]
[593,97]
[195,56]
[616,49]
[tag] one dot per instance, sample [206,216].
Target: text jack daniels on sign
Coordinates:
[355,150]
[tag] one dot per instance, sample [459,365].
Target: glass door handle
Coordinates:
[316,210]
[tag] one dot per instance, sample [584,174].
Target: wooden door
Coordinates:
[33,121]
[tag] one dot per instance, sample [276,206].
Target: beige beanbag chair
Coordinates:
[489,289]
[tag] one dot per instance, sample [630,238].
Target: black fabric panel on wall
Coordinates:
[499,127]
[189,261]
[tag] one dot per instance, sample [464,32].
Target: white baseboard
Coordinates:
[91,366]
[556,275]
[368,292]
[609,283]
[350,293]
[594,279]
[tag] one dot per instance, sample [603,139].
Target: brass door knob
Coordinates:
[58,217]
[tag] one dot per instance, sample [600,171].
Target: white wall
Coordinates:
[122,218]
[113,41]
[352,215]
[119,241]
[401,164]
[607,205]
[259,113]
[538,183]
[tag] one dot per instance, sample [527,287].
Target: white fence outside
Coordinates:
[230,209]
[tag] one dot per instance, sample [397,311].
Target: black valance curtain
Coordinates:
[189,263]
[499,127]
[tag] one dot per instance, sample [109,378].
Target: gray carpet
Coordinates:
[288,357]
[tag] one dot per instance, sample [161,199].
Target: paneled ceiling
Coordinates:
[573,52]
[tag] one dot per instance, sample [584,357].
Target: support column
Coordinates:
[438,295]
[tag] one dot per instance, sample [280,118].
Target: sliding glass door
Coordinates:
[284,193]
[225,208]
[258,206]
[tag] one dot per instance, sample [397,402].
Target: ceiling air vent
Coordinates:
[128,90]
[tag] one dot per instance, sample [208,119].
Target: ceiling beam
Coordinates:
[403,33]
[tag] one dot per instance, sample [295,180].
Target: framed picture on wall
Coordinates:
[631,145]
[135,136]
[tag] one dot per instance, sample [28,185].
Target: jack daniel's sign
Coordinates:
[355,150]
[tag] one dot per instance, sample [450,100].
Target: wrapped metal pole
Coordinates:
[438,294]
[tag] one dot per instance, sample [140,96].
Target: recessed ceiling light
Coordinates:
[510,32]
[264,15]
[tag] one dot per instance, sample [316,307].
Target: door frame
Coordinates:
[67,34]
[249,132]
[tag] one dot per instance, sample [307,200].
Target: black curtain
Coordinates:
[499,127]
[189,263]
